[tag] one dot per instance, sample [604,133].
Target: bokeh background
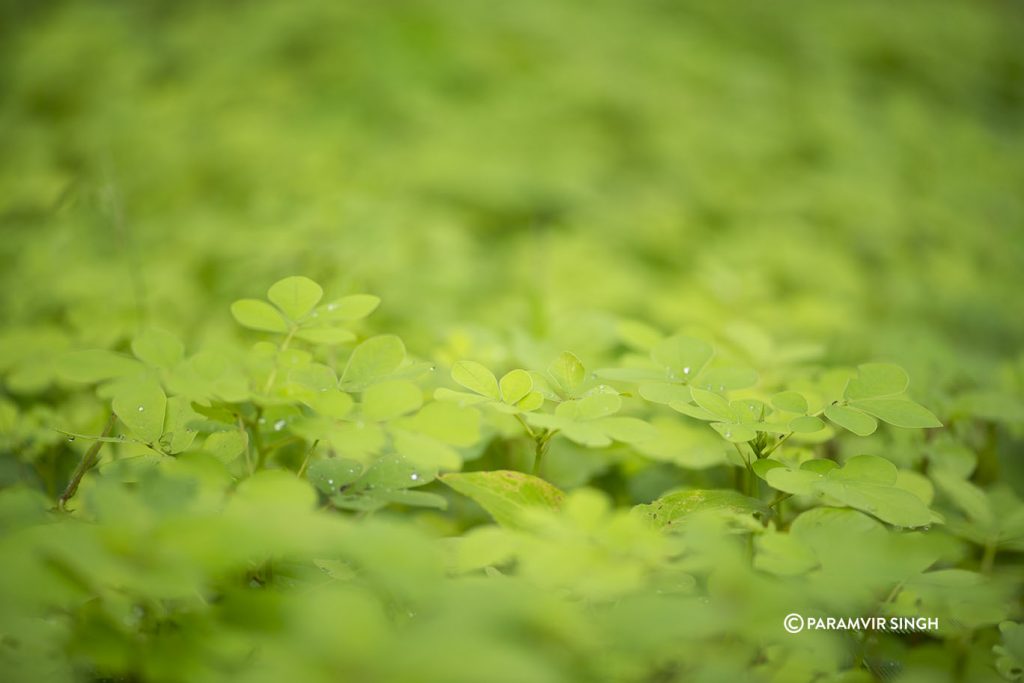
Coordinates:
[844,172]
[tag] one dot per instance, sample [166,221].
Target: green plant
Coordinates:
[612,416]
[253,472]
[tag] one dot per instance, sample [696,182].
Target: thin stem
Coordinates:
[305,461]
[245,436]
[86,463]
[988,560]
[543,442]
[748,478]
[284,347]
[776,445]
[526,426]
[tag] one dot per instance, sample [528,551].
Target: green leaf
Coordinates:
[783,554]
[515,386]
[506,495]
[600,404]
[258,315]
[531,401]
[631,374]
[158,348]
[714,404]
[388,400]
[877,379]
[1010,654]
[726,379]
[684,356]
[141,405]
[392,472]
[414,498]
[275,492]
[225,446]
[857,422]
[628,429]
[567,371]
[462,398]
[328,336]
[178,430]
[295,296]
[806,424]
[446,422]
[900,412]
[375,358]
[425,451]
[674,508]
[790,402]
[347,308]
[331,474]
[96,365]
[665,393]
[969,498]
[476,378]
[735,432]
[865,482]
[330,403]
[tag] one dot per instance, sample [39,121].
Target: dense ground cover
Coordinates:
[545,341]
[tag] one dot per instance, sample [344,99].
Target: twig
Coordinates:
[85,464]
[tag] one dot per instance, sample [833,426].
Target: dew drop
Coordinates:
[279,425]
[686,371]
[331,307]
[262,421]
[141,408]
[120,437]
[331,482]
[414,476]
[728,434]
[721,387]
[71,438]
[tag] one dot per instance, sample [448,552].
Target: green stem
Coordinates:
[777,444]
[748,476]
[284,347]
[988,560]
[85,464]
[245,436]
[526,426]
[543,442]
[305,461]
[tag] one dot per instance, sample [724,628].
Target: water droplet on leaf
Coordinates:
[141,408]
[279,425]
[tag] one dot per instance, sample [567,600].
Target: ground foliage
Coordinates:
[537,341]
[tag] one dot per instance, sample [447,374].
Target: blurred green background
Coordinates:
[802,181]
[847,172]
